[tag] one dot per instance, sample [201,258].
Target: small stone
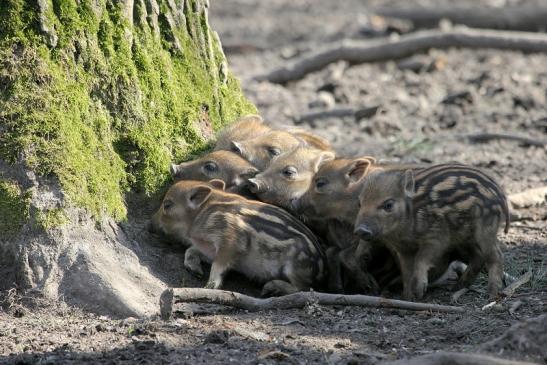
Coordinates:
[529,198]
[436,321]
[324,100]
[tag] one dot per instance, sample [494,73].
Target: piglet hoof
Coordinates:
[277,288]
[369,285]
[194,268]
[494,293]
[210,285]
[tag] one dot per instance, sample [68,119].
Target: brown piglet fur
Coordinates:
[223,165]
[259,240]
[289,176]
[246,127]
[430,217]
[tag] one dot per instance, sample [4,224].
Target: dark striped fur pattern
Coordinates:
[428,218]
[460,187]
[280,228]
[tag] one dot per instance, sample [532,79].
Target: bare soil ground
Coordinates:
[421,115]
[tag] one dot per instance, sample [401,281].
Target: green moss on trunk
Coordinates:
[14,209]
[105,101]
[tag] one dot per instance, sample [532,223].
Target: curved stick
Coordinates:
[172,296]
[379,50]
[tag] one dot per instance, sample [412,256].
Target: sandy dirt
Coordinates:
[422,114]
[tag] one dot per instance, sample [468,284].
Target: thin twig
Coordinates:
[486,137]
[528,227]
[173,296]
[511,288]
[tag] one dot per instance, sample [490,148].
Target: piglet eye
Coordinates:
[320,183]
[388,205]
[167,204]
[289,171]
[210,167]
[274,151]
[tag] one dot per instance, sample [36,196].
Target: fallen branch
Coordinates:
[339,112]
[173,296]
[486,137]
[383,49]
[524,18]
[528,227]
[511,288]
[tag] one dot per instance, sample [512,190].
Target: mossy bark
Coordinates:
[97,98]
[104,94]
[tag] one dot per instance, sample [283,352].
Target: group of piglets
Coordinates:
[363,226]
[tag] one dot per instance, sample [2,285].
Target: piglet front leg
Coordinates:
[216,277]
[222,263]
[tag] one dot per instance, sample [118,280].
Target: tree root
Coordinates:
[171,297]
[385,49]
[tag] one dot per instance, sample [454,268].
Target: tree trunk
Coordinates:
[97,98]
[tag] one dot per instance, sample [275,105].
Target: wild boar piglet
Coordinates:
[261,241]
[262,150]
[433,216]
[223,165]
[334,191]
[246,127]
[289,176]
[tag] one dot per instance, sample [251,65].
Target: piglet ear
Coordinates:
[323,157]
[217,184]
[358,168]
[199,195]
[408,183]
[236,147]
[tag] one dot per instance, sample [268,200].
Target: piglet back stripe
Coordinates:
[427,179]
[290,223]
